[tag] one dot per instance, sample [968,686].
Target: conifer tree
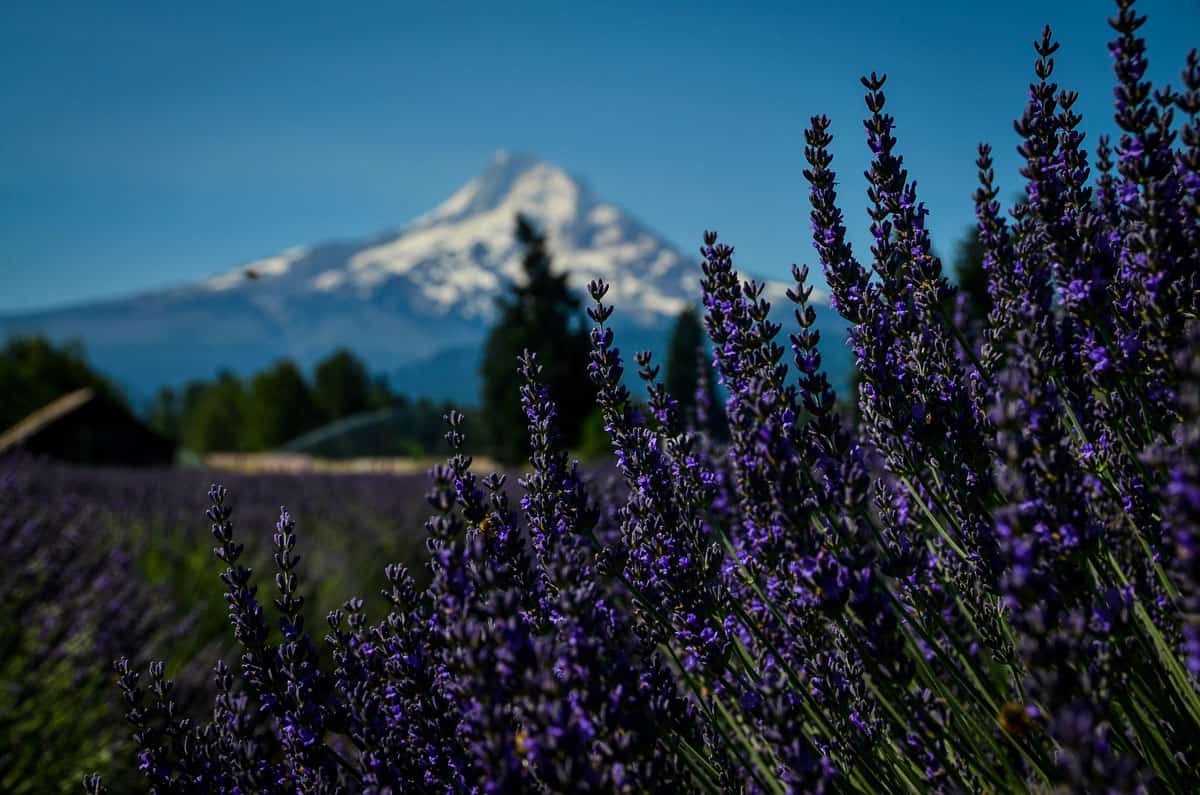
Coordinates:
[280,406]
[971,277]
[341,385]
[543,315]
[687,360]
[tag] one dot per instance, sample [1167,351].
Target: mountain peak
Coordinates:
[519,179]
[463,251]
[507,166]
[454,259]
[520,161]
[405,296]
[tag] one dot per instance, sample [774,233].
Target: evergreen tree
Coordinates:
[165,414]
[543,316]
[34,372]
[274,406]
[281,407]
[341,385]
[971,277]
[687,360]
[217,420]
[193,394]
[380,394]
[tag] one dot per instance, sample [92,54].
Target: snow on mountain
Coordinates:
[458,256]
[423,292]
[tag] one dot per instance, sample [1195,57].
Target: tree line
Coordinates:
[229,413]
[34,372]
[279,404]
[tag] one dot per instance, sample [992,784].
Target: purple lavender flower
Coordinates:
[988,583]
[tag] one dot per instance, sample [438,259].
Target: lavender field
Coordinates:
[976,570]
[105,563]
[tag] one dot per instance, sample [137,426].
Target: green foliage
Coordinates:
[280,406]
[422,423]
[341,385]
[68,711]
[379,393]
[402,428]
[541,315]
[179,559]
[685,351]
[34,372]
[687,360]
[164,413]
[219,419]
[971,277]
[594,443]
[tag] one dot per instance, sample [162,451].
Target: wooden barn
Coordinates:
[85,427]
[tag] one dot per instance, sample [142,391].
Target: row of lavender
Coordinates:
[67,600]
[990,584]
[356,515]
[101,563]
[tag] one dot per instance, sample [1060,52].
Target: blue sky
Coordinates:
[149,145]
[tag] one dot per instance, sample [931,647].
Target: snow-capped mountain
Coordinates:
[416,300]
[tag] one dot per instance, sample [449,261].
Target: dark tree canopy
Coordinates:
[34,372]
[971,277]
[281,405]
[164,412]
[341,385]
[687,361]
[543,315]
[218,419]
[683,350]
[277,406]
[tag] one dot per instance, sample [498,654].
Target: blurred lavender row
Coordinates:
[102,563]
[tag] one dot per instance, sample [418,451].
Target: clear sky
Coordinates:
[149,145]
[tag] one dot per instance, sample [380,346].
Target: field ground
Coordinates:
[300,463]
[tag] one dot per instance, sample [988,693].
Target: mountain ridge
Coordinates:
[408,295]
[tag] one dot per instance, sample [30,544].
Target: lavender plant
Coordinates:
[102,562]
[988,584]
[68,604]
